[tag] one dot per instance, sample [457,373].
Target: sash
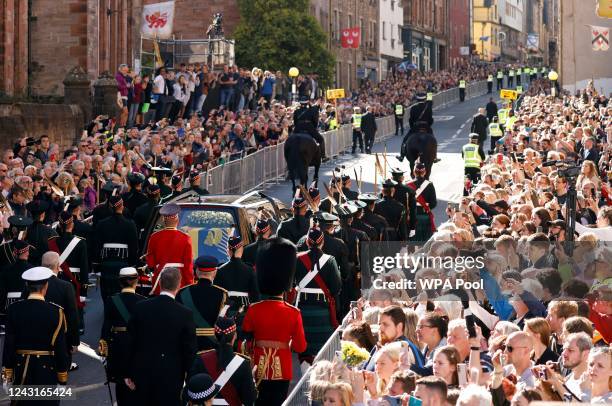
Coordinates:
[306,260]
[123,311]
[293,296]
[227,390]
[421,200]
[68,250]
[52,243]
[199,320]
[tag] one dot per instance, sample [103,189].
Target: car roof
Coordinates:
[252,199]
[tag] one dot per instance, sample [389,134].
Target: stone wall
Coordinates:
[62,123]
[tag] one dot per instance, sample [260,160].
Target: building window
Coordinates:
[349,21]
[350,76]
[336,33]
[384,28]
[426,59]
[362,32]
[392,5]
[399,34]
[339,74]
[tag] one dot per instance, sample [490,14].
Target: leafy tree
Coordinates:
[279,34]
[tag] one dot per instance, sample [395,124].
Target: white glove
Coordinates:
[412,233]
[6,386]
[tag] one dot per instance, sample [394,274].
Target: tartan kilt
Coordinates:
[422,228]
[317,326]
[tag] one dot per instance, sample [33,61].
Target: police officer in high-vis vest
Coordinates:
[502,115]
[490,84]
[398,107]
[511,78]
[500,79]
[472,158]
[462,89]
[495,132]
[357,134]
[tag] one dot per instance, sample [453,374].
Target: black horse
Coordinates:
[422,144]
[301,152]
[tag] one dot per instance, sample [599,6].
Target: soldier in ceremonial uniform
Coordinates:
[239,279]
[346,188]
[163,180]
[81,228]
[18,226]
[117,247]
[326,204]
[134,197]
[297,226]
[195,183]
[315,198]
[170,247]
[35,350]
[263,231]
[393,211]
[420,112]
[375,220]
[11,283]
[425,195]
[274,327]
[317,289]
[177,189]
[38,233]
[162,345]
[205,300]
[405,196]
[358,222]
[114,338]
[240,388]
[104,210]
[143,212]
[305,121]
[200,391]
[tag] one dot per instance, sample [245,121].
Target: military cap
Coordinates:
[315,236]
[65,218]
[20,247]
[298,202]
[115,201]
[110,187]
[234,242]
[206,263]
[345,210]
[128,272]
[20,221]
[262,226]
[358,204]
[323,217]
[37,274]
[135,178]
[275,264]
[345,178]
[388,184]
[225,325]
[199,389]
[176,179]
[367,197]
[397,172]
[170,210]
[37,206]
[153,190]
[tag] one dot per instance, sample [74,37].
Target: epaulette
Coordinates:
[55,304]
[220,288]
[204,351]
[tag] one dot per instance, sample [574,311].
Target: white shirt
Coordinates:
[163,292]
[159,85]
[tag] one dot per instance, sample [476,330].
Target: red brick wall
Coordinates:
[2,7]
[59,42]
[459,28]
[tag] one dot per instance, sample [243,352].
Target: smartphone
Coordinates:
[412,401]
[469,321]
[462,372]
[353,307]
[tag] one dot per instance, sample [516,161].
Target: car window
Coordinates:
[209,229]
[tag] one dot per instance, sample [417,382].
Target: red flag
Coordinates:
[350,37]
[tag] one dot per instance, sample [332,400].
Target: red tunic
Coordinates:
[170,246]
[274,321]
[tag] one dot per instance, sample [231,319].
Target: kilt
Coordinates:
[422,228]
[317,326]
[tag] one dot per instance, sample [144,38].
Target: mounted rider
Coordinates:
[305,121]
[420,120]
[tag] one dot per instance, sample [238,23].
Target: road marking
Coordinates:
[462,125]
[443,118]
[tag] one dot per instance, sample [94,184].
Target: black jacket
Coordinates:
[237,276]
[395,214]
[293,229]
[162,345]
[38,237]
[62,294]
[491,110]
[368,124]
[479,126]
[249,255]
[133,200]
[119,230]
[421,112]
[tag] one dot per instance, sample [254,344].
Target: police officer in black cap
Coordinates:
[35,349]
[240,389]
[143,212]
[263,231]
[239,279]
[117,247]
[11,284]
[205,299]
[39,233]
[18,226]
[393,211]
[405,196]
[177,189]
[305,121]
[114,338]
[358,222]
[297,226]
[375,220]
[134,197]
[195,183]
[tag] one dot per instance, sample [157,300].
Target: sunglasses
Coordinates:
[510,348]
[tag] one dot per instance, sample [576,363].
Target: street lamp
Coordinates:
[553,76]
[293,74]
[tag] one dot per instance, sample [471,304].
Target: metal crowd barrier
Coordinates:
[268,164]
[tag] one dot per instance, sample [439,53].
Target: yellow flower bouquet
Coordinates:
[352,354]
